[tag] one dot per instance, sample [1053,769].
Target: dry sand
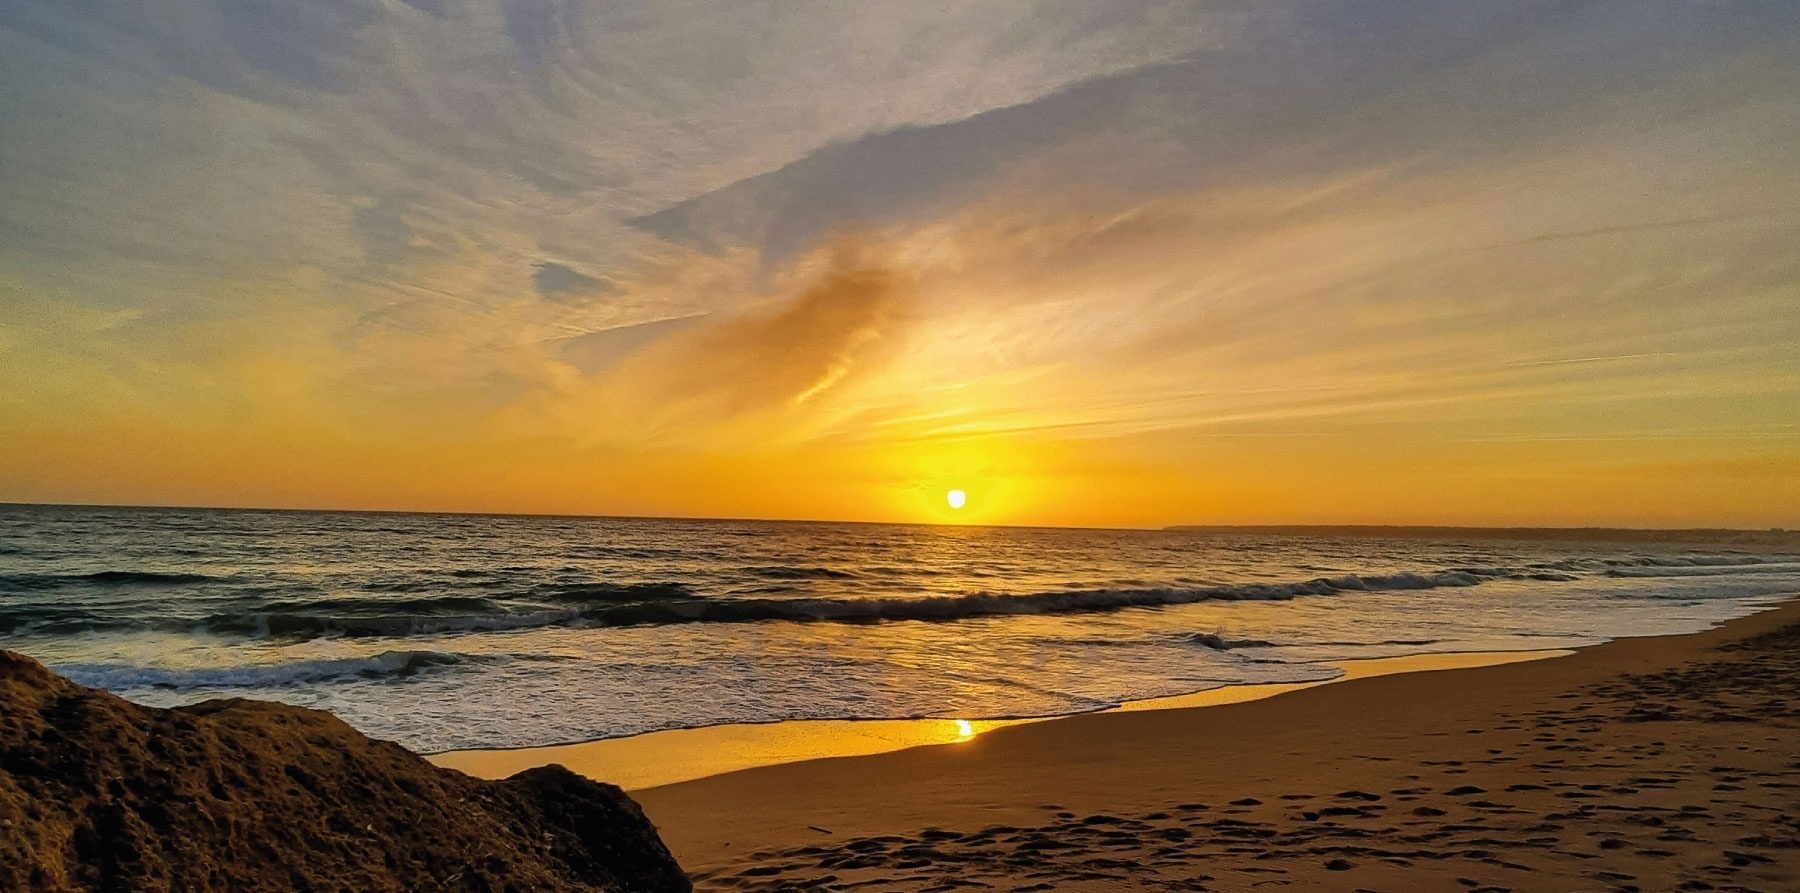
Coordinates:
[1645,764]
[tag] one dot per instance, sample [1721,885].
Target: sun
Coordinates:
[957,498]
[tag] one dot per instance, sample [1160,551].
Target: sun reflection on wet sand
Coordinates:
[657,758]
[660,758]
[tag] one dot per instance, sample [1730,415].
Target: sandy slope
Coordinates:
[1653,764]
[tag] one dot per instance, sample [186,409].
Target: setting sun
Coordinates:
[698,407]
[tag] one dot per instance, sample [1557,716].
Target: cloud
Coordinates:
[594,351]
[571,229]
[1302,91]
[534,26]
[303,42]
[765,367]
[405,164]
[555,281]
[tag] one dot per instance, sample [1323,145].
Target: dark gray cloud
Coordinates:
[555,281]
[535,26]
[386,237]
[305,42]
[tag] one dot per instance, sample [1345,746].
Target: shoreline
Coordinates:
[673,756]
[1642,763]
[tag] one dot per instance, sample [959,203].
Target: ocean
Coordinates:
[477,631]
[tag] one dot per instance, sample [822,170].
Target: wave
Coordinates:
[1597,564]
[605,604]
[1353,582]
[1692,561]
[386,665]
[638,552]
[438,604]
[102,578]
[1219,643]
[614,592]
[983,604]
[636,604]
[1700,570]
[310,626]
[56,619]
[785,572]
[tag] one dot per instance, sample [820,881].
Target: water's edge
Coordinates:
[671,756]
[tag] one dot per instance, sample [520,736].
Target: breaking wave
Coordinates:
[614,592]
[101,578]
[386,665]
[1219,643]
[670,603]
[786,572]
[607,604]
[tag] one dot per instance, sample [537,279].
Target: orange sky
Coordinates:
[1182,264]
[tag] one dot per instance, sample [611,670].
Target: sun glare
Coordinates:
[965,729]
[957,498]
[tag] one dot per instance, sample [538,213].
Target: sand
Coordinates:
[660,758]
[1666,763]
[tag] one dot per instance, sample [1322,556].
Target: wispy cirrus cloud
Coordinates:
[560,235]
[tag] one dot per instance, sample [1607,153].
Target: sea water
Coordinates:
[465,631]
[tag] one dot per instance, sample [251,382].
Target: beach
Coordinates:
[892,707]
[1656,763]
[1651,763]
[560,446]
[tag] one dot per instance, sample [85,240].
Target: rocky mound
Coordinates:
[98,793]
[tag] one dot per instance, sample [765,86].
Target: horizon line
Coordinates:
[1291,527]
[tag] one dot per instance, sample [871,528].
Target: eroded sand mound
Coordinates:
[97,793]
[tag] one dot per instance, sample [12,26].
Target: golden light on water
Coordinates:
[957,499]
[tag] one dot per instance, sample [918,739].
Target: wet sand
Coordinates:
[677,755]
[1667,763]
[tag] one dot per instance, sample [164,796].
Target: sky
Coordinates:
[1094,263]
